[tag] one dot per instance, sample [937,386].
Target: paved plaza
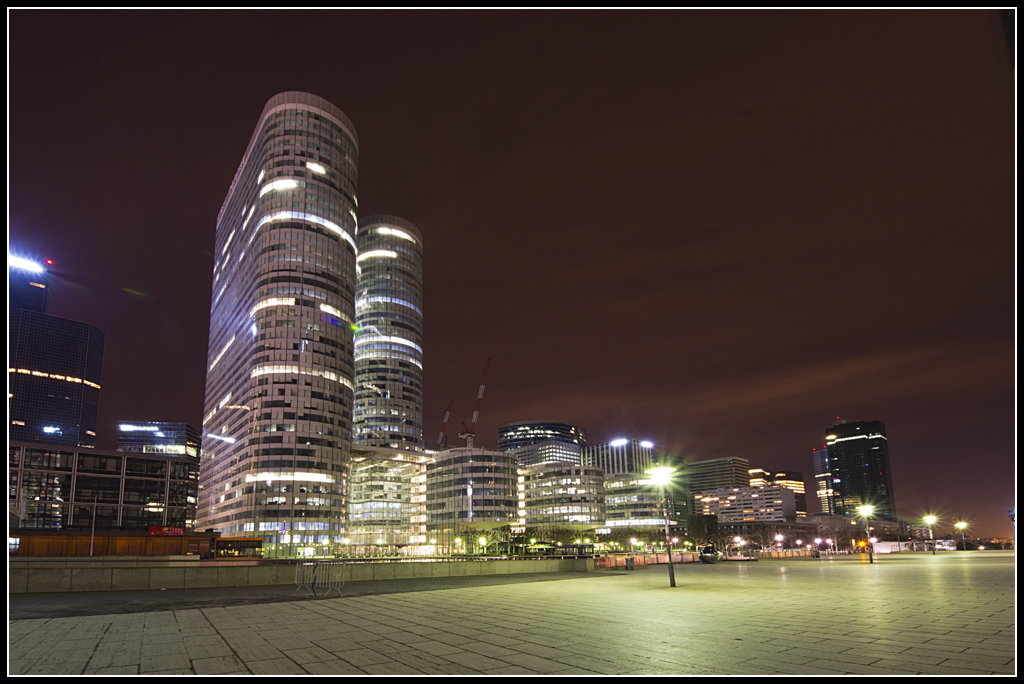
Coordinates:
[951,614]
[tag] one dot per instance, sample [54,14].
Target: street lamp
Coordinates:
[962,526]
[865,512]
[930,520]
[662,477]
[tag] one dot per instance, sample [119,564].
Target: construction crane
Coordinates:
[468,433]
[442,441]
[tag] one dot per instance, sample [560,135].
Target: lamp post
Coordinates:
[662,477]
[962,526]
[865,512]
[930,520]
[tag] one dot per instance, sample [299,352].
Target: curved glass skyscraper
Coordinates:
[278,415]
[389,334]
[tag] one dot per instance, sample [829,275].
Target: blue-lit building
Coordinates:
[54,366]
[389,334]
[858,458]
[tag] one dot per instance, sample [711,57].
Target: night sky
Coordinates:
[715,230]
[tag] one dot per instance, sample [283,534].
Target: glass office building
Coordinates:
[150,437]
[858,457]
[278,415]
[525,433]
[389,334]
[57,488]
[54,365]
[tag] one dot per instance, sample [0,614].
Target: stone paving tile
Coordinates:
[332,667]
[474,661]
[391,668]
[361,657]
[314,654]
[219,665]
[532,662]
[123,670]
[170,661]
[274,666]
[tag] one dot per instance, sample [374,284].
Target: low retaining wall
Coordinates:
[31,576]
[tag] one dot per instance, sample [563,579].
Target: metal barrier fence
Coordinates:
[312,575]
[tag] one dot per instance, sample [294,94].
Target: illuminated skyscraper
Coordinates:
[542,441]
[54,366]
[858,455]
[278,415]
[823,480]
[389,337]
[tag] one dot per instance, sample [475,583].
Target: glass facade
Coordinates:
[526,433]
[56,488]
[858,456]
[278,414]
[469,490]
[564,495]
[389,334]
[158,438]
[54,369]
[620,456]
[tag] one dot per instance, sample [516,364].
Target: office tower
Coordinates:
[566,495]
[389,334]
[702,476]
[470,490]
[54,365]
[278,416]
[620,456]
[858,456]
[759,477]
[550,451]
[522,434]
[149,437]
[794,481]
[27,285]
[823,480]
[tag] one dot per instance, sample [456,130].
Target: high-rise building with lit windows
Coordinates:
[620,456]
[278,417]
[542,441]
[823,480]
[858,457]
[54,365]
[389,334]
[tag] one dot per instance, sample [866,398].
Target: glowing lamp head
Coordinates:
[661,475]
[865,511]
[930,519]
[621,441]
[960,525]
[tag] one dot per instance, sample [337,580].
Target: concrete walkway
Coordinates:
[905,614]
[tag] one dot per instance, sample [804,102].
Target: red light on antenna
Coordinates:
[49,262]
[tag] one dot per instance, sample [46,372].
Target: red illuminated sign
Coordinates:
[166,531]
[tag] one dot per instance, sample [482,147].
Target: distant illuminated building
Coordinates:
[552,450]
[54,366]
[564,495]
[277,426]
[525,433]
[389,334]
[823,480]
[858,458]
[631,501]
[620,456]
[469,490]
[158,438]
[771,503]
[759,477]
[716,473]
